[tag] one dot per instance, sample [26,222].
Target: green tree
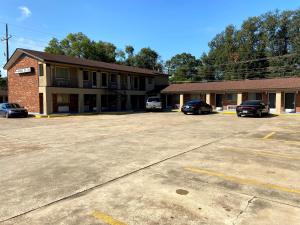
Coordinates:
[183,67]
[149,59]
[79,45]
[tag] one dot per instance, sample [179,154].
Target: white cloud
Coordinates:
[25,12]
[22,42]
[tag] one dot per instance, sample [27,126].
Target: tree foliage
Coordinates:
[264,46]
[79,45]
[183,67]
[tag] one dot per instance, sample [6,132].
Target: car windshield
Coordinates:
[252,102]
[153,100]
[12,106]
[193,102]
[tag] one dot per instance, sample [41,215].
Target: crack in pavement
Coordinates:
[244,210]
[88,190]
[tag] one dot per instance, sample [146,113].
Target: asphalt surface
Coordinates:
[150,168]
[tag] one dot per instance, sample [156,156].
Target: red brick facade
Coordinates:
[298,102]
[24,88]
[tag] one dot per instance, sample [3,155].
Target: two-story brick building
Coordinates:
[46,83]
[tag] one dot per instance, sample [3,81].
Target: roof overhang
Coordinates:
[17,54]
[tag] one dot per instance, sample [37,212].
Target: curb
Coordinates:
[79,114]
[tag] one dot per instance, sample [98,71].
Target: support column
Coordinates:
[118,81]
[128,102]
[98,103]
[181,101]
[239,98]
[166,101]
[208,99]
[47,102]
[278,102]
[119,107]
[98,79]
[80,78]
[80,103]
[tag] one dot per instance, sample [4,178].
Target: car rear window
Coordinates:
[12,106]
[251,103]
[153,100]
[194,102]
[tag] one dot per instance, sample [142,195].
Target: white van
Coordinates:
[153,103]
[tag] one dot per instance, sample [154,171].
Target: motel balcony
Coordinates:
[64,83]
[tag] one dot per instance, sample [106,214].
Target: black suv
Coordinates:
[252,108]
[196,107]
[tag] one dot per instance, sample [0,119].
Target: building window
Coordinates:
[85,75]
[150,80]
[94,79]
[41,69]
[63,99]
[232,97]
[254,96]
[62,73]
[104,80]
[113,78]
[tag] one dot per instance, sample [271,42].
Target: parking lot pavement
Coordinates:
[150,168]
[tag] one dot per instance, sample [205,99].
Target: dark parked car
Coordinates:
[252,108]
[12,110]
[196,107]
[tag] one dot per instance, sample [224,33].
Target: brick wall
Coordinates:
[265,97]
[298,102]
[24,88]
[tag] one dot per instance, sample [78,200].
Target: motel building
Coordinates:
[281,94]
[46,83]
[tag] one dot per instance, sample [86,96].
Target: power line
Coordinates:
[33,30]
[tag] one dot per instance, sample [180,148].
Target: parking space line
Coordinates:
[106,218]
[242,180]
[269,135]
[264,153]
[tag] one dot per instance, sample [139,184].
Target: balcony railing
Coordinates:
[64,83]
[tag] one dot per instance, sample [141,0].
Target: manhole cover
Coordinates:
[182,192]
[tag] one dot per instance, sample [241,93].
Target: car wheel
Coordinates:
[259,114]
[185,113]
[238,115]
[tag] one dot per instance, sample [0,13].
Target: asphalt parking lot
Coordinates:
[150,168]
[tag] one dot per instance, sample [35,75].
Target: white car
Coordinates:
[153,103]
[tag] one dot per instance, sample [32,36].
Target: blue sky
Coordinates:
[168,26]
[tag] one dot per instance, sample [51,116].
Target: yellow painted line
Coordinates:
[280,140]
[265,153]
[243,181]
[269,135]
[106,218]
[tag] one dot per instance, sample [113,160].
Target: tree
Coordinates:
[183,67]
[79,45]
[3,82]
[148,59]
[264,46]
[130,60]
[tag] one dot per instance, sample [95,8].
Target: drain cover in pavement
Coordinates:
[182,192]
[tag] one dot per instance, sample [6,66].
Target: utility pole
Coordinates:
[6,38]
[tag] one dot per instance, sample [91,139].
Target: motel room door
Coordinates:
[272,102]
[289,102]
[219,101]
